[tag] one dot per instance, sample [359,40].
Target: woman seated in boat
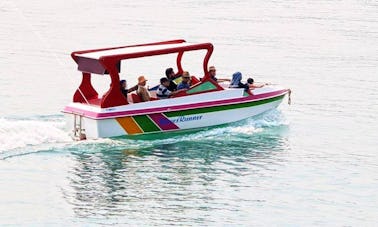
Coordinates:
[124,89]
[213,73]
[163,92]
[142,90]
[236,81]
[185,83]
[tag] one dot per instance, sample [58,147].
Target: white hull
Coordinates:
[120,125]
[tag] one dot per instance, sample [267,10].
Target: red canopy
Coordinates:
[107,60]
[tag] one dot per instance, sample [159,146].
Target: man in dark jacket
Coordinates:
[171,76]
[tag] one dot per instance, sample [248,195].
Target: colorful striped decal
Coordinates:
[146,123]
[129,125]
[163,122]
[159,122]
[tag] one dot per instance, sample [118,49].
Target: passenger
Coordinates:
[124,89]
[171,76]
[185,83]
[236,81]
[163,92]
[142,90]
[251,85]
[123,86]
[213,73]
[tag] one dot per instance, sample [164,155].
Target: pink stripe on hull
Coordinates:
[250,98]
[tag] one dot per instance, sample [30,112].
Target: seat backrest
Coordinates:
[136,98]
[194,80]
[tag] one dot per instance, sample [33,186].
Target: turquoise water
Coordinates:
[311,163]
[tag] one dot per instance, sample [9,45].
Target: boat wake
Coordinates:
[268,124]
[265,123]
[47,133]
[25,135]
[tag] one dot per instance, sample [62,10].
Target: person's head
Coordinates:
[164,81]
[123,83]
[169,73]
[250,80]
[142,81]
[212,71]
[185,77]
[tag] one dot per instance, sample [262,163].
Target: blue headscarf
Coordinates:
[236,80]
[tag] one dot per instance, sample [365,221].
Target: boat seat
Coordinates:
[136,98]
[96,102]
[194,80]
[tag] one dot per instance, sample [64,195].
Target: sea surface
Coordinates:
[311,163]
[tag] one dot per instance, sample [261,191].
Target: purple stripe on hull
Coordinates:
[163,122]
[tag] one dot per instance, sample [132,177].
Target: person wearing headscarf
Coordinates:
[236,81]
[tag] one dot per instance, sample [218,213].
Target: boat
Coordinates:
[206,103]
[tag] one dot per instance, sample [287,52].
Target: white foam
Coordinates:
[246,130]
[273,118]
[42,132]
[18,133]
[270,118]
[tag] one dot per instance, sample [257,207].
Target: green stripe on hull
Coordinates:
[220,108]
[146,124]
